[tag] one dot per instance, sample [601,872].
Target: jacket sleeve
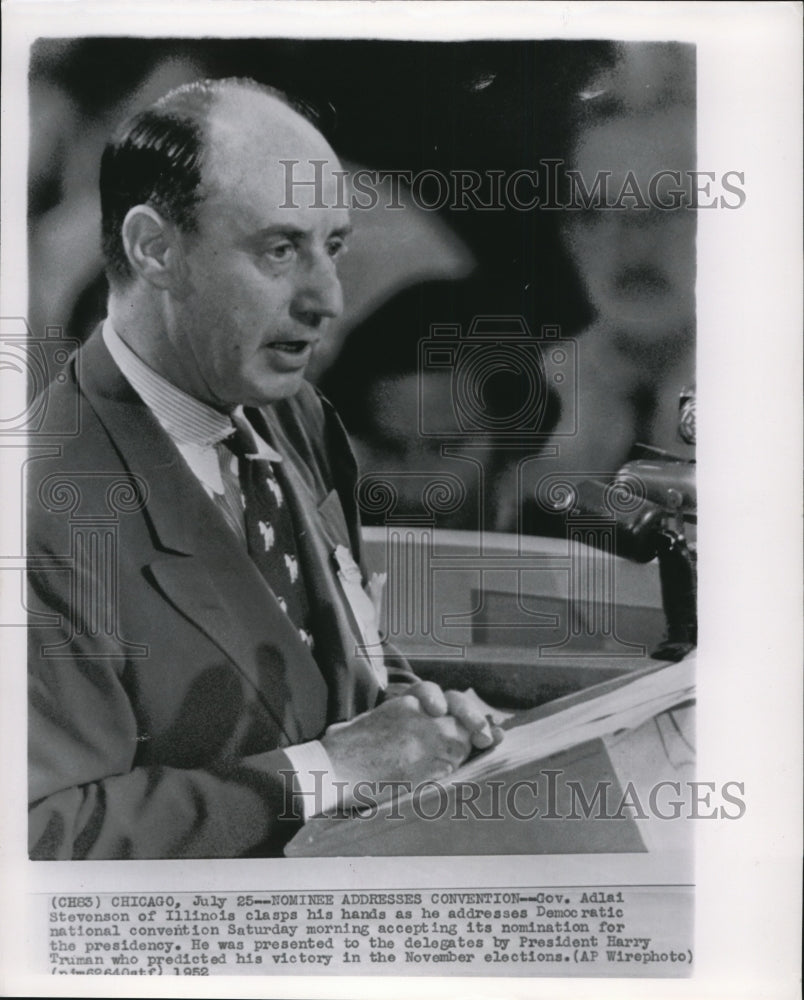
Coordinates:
[87,797]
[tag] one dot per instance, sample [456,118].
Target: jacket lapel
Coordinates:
[320,528]
[199,565]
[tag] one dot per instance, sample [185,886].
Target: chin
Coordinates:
[648,326]
[653,314]
[277,388]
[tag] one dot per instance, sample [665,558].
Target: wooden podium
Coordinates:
[550,805]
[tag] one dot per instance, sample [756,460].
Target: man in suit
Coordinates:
[196,685]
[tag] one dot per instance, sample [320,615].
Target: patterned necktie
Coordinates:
[270,535]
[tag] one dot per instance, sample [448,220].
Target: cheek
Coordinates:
[679,254]
[590,246]
[210,298]
[234,309]
[596,267]
[253,305]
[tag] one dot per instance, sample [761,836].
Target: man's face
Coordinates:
[261,281]
[637,264]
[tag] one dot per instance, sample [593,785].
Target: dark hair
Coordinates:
[156,158]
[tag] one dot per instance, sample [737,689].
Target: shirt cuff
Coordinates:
[315,789]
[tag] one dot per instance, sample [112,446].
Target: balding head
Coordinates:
[224,274]
[161,156]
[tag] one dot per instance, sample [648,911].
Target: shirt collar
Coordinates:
[185,419]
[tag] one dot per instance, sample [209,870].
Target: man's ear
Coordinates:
[153,248]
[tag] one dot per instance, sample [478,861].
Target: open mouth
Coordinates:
[642,280]
[290,346]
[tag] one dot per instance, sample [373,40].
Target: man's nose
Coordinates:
[319,295]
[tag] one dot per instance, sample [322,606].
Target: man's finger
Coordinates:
[431,697]
[456,738]
[487,736]
[468,709]
[472,718]
[482,738]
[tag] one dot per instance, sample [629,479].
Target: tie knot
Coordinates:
[241,442]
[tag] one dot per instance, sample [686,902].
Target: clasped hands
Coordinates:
[419,732]
[478,719]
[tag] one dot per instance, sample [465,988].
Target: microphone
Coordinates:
[643,509]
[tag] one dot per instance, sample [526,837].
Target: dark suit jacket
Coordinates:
[164,678]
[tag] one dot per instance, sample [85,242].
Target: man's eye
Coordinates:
[336,248]
[280,251]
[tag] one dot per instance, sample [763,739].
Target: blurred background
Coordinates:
[618,286]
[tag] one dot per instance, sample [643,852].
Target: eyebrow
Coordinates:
[294,233]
